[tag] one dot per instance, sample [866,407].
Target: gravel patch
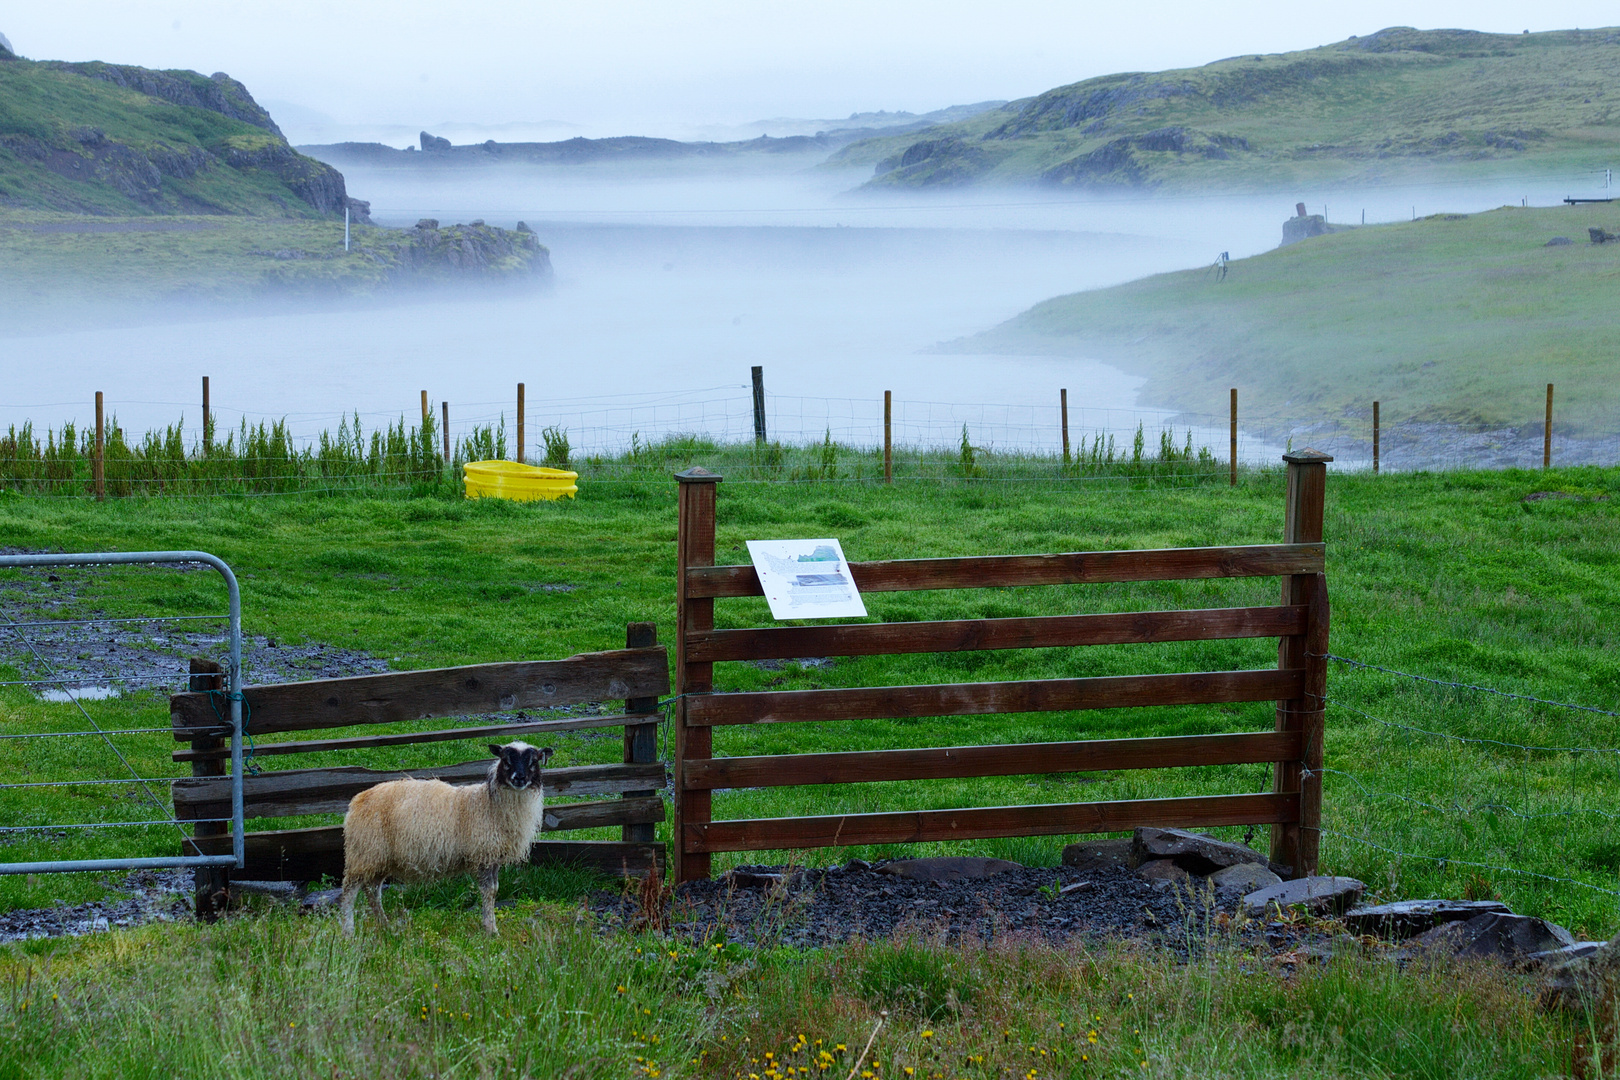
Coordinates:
[150,896]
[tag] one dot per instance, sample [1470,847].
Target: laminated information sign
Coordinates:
[806,579]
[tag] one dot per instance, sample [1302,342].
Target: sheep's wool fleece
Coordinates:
[421,830]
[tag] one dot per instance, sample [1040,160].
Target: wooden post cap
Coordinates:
[1307,456]
[697,474]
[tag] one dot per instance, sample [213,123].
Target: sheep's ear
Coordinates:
[496,750]
[545,754]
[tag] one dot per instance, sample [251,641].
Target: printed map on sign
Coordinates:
[806,579]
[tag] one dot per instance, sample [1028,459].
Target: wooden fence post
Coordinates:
[208,420]
[208,881]
[694,546]
[1233,454]
[426,412]
[520,443]
[1063,408]
[1296,844]
[445,407]
[640,740]
[759,403]
[888,437]
[1375,438]
[1546,433]
[98,464]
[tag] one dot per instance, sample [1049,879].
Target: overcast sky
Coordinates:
[628,66]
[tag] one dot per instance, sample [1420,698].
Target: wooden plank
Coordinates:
[409,738]
[977,699]
[561,817]
[1014,759]
[1074,568]
[310,854]
[418,695]
[328,791]
[884,639]
[920,826]
[640,740]
[694,547]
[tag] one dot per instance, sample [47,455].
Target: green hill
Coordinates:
[1455,318]
[99,138]
[1391,103]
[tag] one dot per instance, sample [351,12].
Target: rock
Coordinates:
[1557,958]
[1559,241]
[1498,934]
[279,890]
[1600,237]
[1580,982]
[750,879]
[6,51]
[1317,895]
[1408,918]
[1098,854]
[433,142]
[323,898]
[1163,872]
[1074,887]
[947,868]
[428,223]
[522,226]
[1193,852]
[1243,878]
[857,864]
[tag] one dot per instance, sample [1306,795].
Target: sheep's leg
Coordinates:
[488,879]
[375,893]
[347,906]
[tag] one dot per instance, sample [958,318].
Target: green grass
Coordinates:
[1450,575]
[1455,318]
[1400,103]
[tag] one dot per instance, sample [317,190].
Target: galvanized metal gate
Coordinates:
[233,694]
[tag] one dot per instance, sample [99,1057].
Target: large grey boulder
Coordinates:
[948,868]
[1098,854]
[1317,895]
[1163,872]
[1408,918]
[1243,878]
[1193,852]
[1496,934]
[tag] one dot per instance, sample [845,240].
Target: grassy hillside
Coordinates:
[1462,318]
[109,139]
[1377,106]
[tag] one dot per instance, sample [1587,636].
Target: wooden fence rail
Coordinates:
[637,675]
[1294,747]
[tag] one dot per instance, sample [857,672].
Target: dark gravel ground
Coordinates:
[151,896]
[822,906]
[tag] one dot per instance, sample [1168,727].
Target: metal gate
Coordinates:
[233,694]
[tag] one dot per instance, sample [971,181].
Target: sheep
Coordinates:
[423,830]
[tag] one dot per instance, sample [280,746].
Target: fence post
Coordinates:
[1296,844]
[98,464]
[425,410]
[694,546]
[208,881]
[640,740]
[208,420]
[520,443]
[1063,407]
[1233,453]
[759,403]
[1375,438]
[1546,433]
[445,407]
[888,437]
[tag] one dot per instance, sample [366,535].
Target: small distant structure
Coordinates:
[431,143]
[1303,226]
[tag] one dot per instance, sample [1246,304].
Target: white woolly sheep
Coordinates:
[424,830]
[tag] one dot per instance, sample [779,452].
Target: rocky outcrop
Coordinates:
[1123,162]
[217,93]
[476,250]
[433,143]
[6,51]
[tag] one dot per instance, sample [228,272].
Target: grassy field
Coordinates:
[1457,318]
[1394,104]
[1454,576]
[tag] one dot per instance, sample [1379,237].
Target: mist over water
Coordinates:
[673,280]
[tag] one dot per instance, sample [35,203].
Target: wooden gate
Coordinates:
[1292,808]
[637,675]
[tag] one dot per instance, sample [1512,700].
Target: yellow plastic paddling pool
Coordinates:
[510,480]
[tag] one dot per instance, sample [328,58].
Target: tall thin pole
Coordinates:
[445,405]
[1063,408]
[520,442]
[98,467]
[1233,454]
[426,412]
[888,437]
[759,404]
[1375,438]
[208,420]
[1546,433]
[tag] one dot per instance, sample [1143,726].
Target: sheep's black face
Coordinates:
[519,765]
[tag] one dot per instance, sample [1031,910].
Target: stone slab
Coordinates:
[1408,918]
[1193,852]
[1163,872]
[1243,878]
[1503,936]
[948,868]
[1317,895]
